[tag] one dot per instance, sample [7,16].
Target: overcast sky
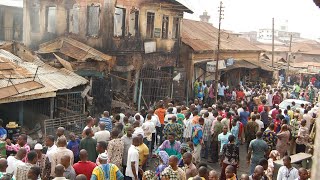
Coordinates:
[245,15]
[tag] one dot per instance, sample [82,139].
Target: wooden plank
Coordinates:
[19,88]
[64,63]
[6,66]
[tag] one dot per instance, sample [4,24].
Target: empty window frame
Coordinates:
[73,19]
[150,25]
[51,19]
[119,22]
[134,23]
[165,26]
[35,17]
[93,21]
[176,28]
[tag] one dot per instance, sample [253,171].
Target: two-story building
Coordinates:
[143,35]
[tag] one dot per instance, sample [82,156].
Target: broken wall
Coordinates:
[89,21]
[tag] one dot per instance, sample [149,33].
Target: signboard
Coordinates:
[157,33]
[211,66]
[150,47]
[313,69]
[230,61]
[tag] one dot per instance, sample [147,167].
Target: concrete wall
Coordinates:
[99,42]
[11,23]
[106,41]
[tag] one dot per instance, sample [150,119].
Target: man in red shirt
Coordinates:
[240,95]
[275,112]
[84,166]
[276,99]
[261,106]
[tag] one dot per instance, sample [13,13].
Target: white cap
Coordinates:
[38,147]
[103,156]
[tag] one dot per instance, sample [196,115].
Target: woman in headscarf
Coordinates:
[283,140]
[164,160]
[273,156]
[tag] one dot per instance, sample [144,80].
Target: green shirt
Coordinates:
[217,129]
[259,147]
[180,118]
[89,144]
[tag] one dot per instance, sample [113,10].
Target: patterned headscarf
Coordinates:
[164,157]
[149,175]
[185,147]
[275,153]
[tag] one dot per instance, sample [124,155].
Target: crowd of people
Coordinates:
[175,142]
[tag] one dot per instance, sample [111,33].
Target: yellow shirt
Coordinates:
[143,151]
[290,114]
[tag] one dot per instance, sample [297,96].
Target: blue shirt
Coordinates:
[3,132]
[197,134]
[244,117]
[287,118]
[74,147]
[108,123]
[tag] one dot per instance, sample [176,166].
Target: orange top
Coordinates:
[161,113]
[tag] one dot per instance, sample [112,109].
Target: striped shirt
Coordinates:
[108,123]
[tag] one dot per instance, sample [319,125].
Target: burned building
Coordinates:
[11,16]
[35,94]
[143,35]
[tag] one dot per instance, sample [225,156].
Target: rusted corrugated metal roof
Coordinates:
[241,64]
[305,64]
[74,49]
[201,36]
[248,65]
[51,78]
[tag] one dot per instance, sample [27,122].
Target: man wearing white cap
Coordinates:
[106,170]
[41,157]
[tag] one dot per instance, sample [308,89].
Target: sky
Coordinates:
[250,15]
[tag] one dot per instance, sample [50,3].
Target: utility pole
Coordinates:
[272,42]
[289,53]
[218,51]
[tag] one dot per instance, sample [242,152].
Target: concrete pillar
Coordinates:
[51,107]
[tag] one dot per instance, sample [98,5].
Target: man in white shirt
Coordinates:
[156,121]
[168,116]
[15,161]
[138,117]
[137,129]
[133,159]
[174,109]
[260,123]
[269,99]
[51,147]
[287,172]
[211,117]
[148,128]
[187,127]
[221,89]
[240,109]
[103,134]
[308,118]
[59,153]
